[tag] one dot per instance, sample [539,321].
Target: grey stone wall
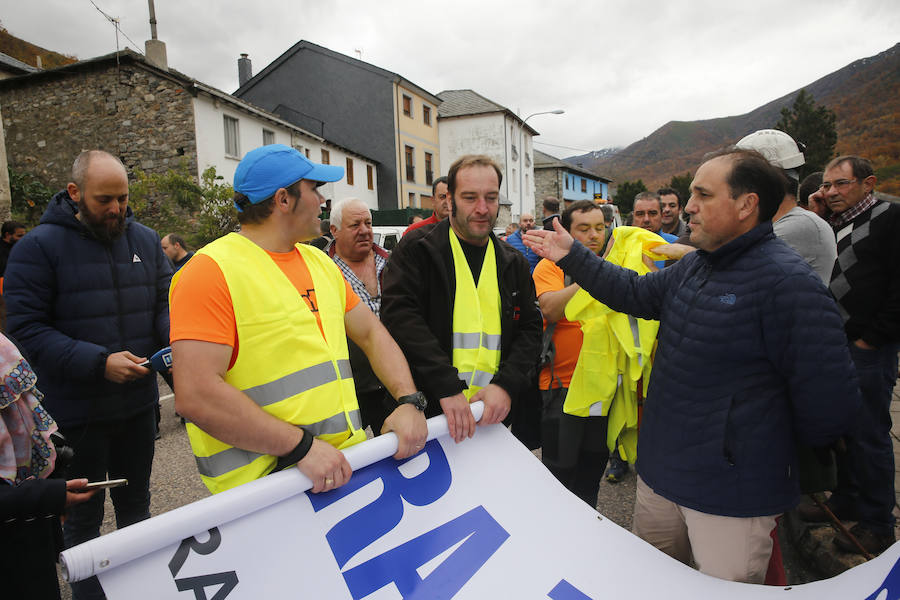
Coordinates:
[547,182]
[145,119]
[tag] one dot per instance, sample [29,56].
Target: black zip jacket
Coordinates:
[418,291]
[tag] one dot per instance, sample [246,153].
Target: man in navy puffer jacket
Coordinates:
[86,294]
[752,356]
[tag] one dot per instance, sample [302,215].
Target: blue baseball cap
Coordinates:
[264,170]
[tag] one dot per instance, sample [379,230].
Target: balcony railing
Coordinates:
[429,177]
[410,173]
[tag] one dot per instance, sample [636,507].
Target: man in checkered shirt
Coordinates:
[866,284]
[361,261]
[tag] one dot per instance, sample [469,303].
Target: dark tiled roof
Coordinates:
[467,103]
[545,161]
[305,45]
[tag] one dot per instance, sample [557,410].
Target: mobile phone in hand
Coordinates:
[102,485]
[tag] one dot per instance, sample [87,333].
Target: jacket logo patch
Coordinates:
[728,299]
[135,259]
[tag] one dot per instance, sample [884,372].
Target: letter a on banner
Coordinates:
[482,535]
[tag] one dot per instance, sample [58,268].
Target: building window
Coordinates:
[412,200]
[410,168]
[567,181]
[232,139]
[268,137]
[584,185]
[429,174]
[326,157]
[370,177]
[515,181]
[307,153]
[426,114]
[407,105]
[349,171]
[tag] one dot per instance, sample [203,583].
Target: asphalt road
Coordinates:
[174,483]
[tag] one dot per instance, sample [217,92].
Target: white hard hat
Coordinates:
[779,148]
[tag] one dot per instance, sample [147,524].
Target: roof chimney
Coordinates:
[154,49]
[245,70]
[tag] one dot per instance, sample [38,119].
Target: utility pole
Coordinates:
[5,193]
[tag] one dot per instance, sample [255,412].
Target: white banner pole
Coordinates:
[119,547]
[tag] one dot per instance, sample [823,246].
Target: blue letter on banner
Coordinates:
[355,532]
[566,591]
[483,537]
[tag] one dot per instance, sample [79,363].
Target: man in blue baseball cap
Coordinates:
[259,337]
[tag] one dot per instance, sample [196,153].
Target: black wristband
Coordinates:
[297,454]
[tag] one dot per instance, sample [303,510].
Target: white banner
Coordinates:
[481,519]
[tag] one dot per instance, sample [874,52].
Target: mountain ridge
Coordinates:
[862,94]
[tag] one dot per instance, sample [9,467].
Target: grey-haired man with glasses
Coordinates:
[866,284]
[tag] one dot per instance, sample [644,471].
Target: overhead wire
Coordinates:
[116,24]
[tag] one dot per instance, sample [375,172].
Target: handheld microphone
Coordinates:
[160,362]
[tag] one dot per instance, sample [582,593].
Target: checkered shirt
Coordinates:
[373,302]
[852,212]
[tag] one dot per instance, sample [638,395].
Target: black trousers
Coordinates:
[574,448]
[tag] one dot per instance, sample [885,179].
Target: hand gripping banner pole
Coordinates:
[119,547]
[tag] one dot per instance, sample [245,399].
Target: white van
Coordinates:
[387,236]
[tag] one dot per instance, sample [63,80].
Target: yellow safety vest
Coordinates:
[617,349]
[476,319]
[283,364]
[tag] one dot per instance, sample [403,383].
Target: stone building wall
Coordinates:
[547,182]
[137,114]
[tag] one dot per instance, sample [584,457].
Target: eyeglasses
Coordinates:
[840,185]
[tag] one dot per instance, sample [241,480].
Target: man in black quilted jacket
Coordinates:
[752,357]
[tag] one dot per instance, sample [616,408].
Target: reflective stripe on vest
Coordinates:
[476,319]
[284,363]
[232,458]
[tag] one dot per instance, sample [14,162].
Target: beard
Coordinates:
[105,229]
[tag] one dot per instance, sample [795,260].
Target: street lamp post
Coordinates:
[558,111]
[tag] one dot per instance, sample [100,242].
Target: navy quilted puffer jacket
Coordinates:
[72,301]
[752,357]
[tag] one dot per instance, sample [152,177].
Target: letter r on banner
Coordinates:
[355,532]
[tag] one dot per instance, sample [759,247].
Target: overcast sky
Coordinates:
[619,69]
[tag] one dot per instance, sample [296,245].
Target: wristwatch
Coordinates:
[417,399]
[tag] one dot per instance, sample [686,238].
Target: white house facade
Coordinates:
[469,123]
[227,128]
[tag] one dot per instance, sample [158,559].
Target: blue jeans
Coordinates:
[117,450]
[866,471]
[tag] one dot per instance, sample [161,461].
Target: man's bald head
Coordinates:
[82,165]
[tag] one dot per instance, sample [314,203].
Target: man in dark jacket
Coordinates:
[752,356]
[421,295]
[866,283]
[11,232]
[86,294]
